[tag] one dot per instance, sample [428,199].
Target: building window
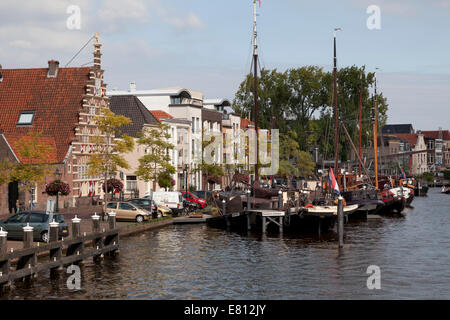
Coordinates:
[26,118]
[69,168]
[82,172]
[34,194]
[193,125]
[131,184]
[175,100]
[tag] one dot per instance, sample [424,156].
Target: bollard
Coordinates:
[112,220]
[280,199]
[249,201]
[76,231]
[5,265]
[224,207]
[341,221]
[264,225]
[95,223]
[53,231]
[3,241]
[27,236]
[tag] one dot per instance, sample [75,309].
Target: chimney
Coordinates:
[133,86]
[97,53]
[1,76]
[53,67]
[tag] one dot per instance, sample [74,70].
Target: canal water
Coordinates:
[197,262]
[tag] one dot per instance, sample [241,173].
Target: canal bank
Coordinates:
[126,229]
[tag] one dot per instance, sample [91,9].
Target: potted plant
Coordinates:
[56,188]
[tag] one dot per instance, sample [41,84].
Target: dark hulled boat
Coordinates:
[420,189]
[393,203]
[369,201]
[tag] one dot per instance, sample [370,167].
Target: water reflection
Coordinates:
[197,262]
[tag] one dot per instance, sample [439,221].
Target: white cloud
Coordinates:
[115,15]
[175,19]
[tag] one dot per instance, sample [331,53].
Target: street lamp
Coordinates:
[58,175]
[185,171]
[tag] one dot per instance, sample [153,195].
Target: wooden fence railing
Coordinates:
[23,264]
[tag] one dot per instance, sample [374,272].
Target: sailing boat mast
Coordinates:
[375,134]
[360,123]
[255,90]
[336,120]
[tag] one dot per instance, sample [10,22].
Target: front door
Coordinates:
[13,196]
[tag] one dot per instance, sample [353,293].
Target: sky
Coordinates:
[205,45]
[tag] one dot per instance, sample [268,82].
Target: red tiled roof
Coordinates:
[159,114]
[410,137]
[51,157]
[56,103]
[435,134]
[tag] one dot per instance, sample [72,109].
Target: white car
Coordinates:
[171,199]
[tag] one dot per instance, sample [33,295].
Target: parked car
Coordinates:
[171,199]
[38,220]
[147,205]
[164,210]
[190,206]
[128,211]
[193,198]
[205,195]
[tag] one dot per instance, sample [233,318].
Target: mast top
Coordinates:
[255,33]
[336,30]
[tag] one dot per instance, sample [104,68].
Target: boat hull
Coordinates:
[422,192]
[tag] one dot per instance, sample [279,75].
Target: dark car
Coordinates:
[147,205]
[38,220]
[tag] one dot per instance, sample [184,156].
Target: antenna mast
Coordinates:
[336,117]
[255,90]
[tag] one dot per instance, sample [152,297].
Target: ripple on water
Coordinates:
[197,262]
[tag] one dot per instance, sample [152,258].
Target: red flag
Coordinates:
[259,3]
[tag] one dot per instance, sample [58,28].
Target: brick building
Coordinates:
[59,103]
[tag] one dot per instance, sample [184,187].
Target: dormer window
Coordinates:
[175,100]
[26,118]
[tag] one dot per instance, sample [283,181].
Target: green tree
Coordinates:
[5,171]
[110,145]
[34,153]
[165,180]
[428,177]
[301,100]
[213,172]
[293,161]
[446,174]
[156,163]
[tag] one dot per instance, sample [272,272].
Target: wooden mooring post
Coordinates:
[23,264]
[249,207]
[280,199]
[56,253]
[340,214]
